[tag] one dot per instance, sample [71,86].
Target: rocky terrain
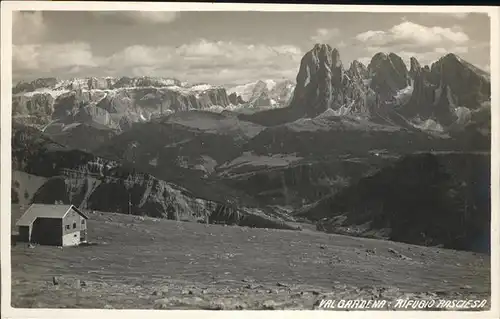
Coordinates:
[96,183]
[385,91]
[114,104]
[263,94]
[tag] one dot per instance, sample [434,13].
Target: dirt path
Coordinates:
[148,263]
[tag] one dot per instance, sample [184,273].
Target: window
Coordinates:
[83,221]
[74,225]
[67,226]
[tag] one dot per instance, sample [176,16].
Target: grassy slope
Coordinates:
[154,263]
[26,185]
[421,199]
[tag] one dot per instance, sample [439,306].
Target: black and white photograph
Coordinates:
[209,158]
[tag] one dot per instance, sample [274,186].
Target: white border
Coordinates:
[5,176]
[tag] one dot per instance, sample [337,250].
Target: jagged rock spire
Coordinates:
[388,73]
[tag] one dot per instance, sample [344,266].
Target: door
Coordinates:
[83,235]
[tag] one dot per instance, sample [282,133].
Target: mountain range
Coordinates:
[273,151]
[448,92]
[116,103]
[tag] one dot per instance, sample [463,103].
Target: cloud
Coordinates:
[481,46]
[341,44]
[396,49]
[425,58]
[452,15]
[142,17]
[456,50]
[207,55]
[139,55]
[325,35]
[408,39]
[217,62]
[459,15]
[47,58]
[211,61]
[238,52]
[27,27]
[413,35]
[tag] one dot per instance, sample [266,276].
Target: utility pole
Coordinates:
[129,203]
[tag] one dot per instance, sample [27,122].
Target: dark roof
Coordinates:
[46,211]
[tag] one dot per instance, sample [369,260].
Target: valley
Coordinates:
[319,184]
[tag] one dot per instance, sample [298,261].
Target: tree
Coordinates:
[14,196]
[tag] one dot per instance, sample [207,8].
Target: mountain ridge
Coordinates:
[271,146]
[382,91]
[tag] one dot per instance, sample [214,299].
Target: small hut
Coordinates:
[60,225]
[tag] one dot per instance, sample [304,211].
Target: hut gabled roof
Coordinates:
[46,211]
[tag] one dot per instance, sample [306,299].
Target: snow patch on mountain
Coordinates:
[427,125]
[403,96]
[53,92]
[201,87]
[245,90]
[463,115]
[62,89]
[270,84]
[70,126]
[73,84]
[278,90]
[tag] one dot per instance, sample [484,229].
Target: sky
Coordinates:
[231,47]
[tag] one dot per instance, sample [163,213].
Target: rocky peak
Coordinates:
[110,102]
[414,67]
[326,54]
[259,87]
[100,83]
[389,74]
[39,83]
[451,56]
[376,60]
[261,100]
[283,91]
[423,98]
[92,83]
[320,74]
[469,85]
[450,83]
[358,70]
[235,99]
[322,83]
